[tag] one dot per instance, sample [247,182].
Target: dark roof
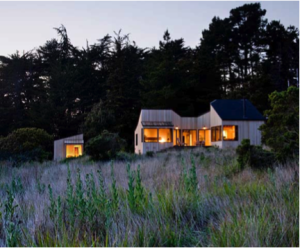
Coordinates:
[235,110]
[157,123]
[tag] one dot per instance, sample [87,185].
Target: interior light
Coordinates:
[176,127]
[204,127]
[162,140]
[225,134]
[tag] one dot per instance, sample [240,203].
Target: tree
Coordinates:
[20,89]
[281,131]
[166,80]
[125,67]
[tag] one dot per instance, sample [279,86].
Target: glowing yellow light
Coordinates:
[162,140]
[225,134]
[176,127]
[204,127]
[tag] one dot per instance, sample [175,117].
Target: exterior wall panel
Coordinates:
[60,145]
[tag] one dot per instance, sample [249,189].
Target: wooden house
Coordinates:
[68,147]
[226,124]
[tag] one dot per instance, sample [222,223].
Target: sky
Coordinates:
[28,25]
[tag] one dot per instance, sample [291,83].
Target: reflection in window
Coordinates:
[150,135]
[165,135]
[73,151]
[230,132]
[216,133]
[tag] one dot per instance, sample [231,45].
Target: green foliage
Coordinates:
[11,223]
[105,146]
[253,156]
[126,157]
[27,144]
[149,154]
[281,131]
[99,119]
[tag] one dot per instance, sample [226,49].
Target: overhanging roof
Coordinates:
[157,124]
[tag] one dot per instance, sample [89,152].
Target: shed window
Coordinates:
[136,139]
[230,132]
[150,135]
[216,134]
[73,151]
[165,135]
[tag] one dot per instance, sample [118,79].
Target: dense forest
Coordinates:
[66,90]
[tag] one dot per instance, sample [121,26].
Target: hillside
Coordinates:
[193,197]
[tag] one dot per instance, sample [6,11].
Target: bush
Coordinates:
[26,144]
[125,156]
[149,154]
[254,156]
[105,146]
[281,131]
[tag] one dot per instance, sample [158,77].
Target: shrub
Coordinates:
[149,154]
[254,156]
[281,131]
[125,156]
[26,144]
[105,146]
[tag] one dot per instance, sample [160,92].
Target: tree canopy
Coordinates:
[64,89]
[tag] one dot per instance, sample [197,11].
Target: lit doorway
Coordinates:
[189,137]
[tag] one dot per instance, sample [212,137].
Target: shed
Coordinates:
[68,147]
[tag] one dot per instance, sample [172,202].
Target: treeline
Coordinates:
[65,90]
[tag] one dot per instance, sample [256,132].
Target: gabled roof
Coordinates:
[240,109]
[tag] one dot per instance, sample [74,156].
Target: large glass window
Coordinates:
[230,132]
[150,135]
[73,151]
[165,135]
[216,133]
[189,137]
[201,135]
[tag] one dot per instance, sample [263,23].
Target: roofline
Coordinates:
[70,136]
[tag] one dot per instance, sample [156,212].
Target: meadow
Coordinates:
[190,197]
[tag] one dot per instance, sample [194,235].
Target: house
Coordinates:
[226,124]
[68,147]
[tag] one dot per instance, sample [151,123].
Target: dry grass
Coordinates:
[228,208]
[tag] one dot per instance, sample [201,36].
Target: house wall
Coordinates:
[60,146]
[138,149]
[203,121]
[247,130]
[215,120]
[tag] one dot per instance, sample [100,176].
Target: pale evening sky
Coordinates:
[27,25]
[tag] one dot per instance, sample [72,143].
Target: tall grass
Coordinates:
[195,197]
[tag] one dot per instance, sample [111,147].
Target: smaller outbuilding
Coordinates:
[68,147]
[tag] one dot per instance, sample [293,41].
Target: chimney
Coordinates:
[244,108]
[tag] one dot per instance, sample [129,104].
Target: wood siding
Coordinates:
[247,129]
[203,121]
[60,145]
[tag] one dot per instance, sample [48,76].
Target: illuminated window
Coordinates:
[216,134]
[230,132]
[165,135]
[73,151]
[150,135]
[201,135]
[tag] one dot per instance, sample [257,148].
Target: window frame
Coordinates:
[136,139]
[236,133]
[213,131]
[171,135]
[144,135]
[157,130]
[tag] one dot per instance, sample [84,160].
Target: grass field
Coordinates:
[196,197]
